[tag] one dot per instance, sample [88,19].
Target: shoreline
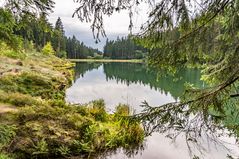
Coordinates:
[107,60]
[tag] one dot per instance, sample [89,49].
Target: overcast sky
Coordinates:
[116,25]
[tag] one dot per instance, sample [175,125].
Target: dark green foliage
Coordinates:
[77,50]
[124,48]
[58,39]
[33,28]
[25,6]
[7,24]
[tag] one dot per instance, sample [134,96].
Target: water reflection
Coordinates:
[130,73]
[128,83]
[132,84]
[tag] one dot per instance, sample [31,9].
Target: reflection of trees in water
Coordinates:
[129,151]
[129,73]
[83,67]
[138,73]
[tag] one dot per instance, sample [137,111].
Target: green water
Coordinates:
[128,83]
[132,83]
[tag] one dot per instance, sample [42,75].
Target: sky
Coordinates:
[116,25]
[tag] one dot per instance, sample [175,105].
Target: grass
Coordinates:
[108,60]
[44,126]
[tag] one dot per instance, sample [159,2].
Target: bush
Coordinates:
[98,110]
[5,50]
[122,110]
[48,49]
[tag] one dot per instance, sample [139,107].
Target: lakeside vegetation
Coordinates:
[41,124]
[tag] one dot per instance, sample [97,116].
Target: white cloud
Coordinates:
[116,25]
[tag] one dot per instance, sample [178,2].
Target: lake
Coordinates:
[133,83]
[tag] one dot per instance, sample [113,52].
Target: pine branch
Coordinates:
[234,95]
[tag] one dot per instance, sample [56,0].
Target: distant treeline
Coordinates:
[124,48]
[77,50]
[39,31]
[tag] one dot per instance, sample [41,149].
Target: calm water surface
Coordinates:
[132,84]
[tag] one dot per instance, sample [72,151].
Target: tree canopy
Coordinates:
[124,48]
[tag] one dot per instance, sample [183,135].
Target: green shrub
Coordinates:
[48,49]
[98,110]
[63,150]
[5,50]
[123,110]
[97,56]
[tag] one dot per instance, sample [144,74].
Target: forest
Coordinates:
[124,48]
[35,31]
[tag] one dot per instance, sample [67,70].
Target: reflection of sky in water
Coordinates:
[160,147]
[93,85]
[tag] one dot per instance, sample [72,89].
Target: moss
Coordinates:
[19,99]
[33,84]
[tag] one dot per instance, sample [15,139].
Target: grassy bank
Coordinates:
[107,60]
[37,123]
